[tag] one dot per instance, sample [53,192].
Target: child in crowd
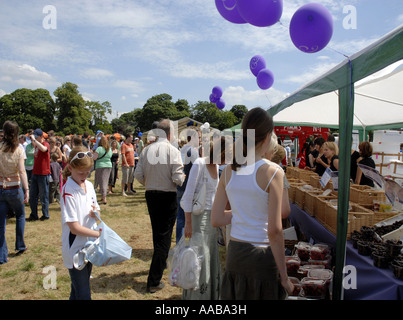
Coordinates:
[55,170]
[78,203]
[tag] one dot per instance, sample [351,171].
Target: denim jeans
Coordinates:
[180,218]
[80,283]
[39,189]
[14,199]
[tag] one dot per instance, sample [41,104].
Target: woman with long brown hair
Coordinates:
[12,173]
[253,186]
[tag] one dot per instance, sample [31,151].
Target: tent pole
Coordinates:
[346,115]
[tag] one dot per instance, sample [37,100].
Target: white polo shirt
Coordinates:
[76,206]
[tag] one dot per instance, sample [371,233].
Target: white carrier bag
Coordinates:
[108,249]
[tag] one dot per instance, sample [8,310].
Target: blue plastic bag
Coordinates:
[108,249]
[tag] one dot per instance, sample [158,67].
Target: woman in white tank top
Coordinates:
[255,263]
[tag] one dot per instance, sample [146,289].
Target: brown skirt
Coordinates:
[250,274]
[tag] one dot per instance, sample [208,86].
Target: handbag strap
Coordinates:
[204,177]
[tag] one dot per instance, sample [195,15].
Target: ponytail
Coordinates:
[261,122]
[66,172]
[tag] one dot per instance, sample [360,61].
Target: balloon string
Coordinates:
[269,101]
[346,56]
[283,25]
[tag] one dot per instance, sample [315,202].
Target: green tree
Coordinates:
[72,115]
[239,112]
[161,107]
[205,111]
[99,120]
[31,109]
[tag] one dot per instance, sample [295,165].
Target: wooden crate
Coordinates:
[309,203]
[299,197]
[292,190]
[320,203]
[304,174]
[291,173]
[380,216]
[358,216]
[314,181]
[300,194]
[365,195]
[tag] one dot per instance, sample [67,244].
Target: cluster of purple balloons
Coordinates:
[311,26]
[216,97]
[264,77]
[260,13]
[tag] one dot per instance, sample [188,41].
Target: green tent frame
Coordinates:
[382,53]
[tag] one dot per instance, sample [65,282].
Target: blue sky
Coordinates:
[127,51]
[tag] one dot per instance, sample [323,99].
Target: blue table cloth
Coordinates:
[372,283]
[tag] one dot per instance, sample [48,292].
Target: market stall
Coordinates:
[372,283]
[373,248]
[342,83]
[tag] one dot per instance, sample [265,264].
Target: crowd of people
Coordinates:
[247,200]
[31,172]
[319,154]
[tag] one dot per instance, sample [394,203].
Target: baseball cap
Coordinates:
[38,133]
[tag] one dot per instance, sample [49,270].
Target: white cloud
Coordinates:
[24,75]
[96,73]
[234,95]
[311,74]
[130,85]
[2,93]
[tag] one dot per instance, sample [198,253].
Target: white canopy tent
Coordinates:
[378,104]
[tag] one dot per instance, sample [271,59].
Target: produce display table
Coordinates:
[372,283]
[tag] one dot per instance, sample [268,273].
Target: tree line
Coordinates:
[70,113]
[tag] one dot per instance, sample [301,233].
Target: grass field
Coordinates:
[24,276]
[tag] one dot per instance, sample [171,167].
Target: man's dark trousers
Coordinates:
[162,208]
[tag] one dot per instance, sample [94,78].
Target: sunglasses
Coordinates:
[81,155]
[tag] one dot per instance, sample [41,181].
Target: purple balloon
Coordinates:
[256,64]
[217,92]
[220,104]
[260,13]
[228,10]
[213,99]
[311,28]
[265,79]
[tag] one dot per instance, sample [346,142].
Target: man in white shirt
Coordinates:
[160,170]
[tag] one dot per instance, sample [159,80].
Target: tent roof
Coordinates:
[378,104]
[316,104]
